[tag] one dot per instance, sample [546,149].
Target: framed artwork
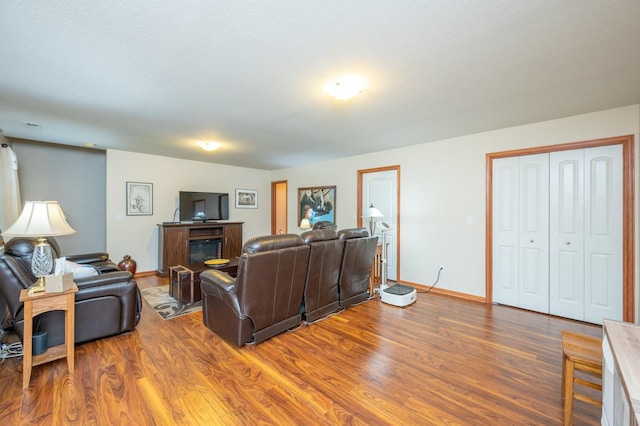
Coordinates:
[246,199]
[139,199]
[316,204]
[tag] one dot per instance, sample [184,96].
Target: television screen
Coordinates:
[203,206]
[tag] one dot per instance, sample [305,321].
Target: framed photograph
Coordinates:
[246,199]
[139,199]
[316,204]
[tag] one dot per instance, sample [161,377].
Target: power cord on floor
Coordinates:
[11,350]
[434,284]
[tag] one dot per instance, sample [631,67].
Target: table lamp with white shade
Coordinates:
[40,219]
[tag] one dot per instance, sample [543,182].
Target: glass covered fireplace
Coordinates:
[201,250]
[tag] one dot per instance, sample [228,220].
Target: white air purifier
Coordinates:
[397,294]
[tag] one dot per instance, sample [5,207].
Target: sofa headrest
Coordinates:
[23,247]
[347,234]
[319,235]
[272,242]
[323,224]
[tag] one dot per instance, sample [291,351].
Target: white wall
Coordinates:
[138,235]
[443,184]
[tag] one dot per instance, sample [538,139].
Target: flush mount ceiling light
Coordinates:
[209,146]
[345,87]
[32,124]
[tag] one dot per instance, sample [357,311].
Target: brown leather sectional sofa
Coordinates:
[106,304]
[285,279]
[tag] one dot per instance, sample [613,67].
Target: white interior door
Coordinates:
[533,226]
[521,231]
[505,230]
[381,190]
[570,263]
[586,234]
[566,239]
[603,233]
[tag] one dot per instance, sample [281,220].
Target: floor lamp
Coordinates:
[373,214]
[40,219]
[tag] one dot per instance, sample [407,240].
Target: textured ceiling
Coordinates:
[157,76]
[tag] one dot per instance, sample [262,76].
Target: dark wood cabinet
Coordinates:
[233,240]
[190,244]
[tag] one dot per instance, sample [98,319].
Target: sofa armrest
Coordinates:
[100,261]
[220,279]
[103,279]
[88,258]
[119,284]
[222,286]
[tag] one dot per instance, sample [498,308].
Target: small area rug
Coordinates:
[166,306]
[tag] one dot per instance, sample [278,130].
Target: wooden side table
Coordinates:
[36,304]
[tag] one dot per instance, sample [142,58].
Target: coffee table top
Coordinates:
[233,264]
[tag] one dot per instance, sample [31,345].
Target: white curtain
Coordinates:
[10,204]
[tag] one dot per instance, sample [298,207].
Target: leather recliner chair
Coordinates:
[106,304]
[323,272]
[355,271]
[323,225]
[265,297]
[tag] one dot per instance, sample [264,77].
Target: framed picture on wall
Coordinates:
[139,199]
[316,204]
[246,199]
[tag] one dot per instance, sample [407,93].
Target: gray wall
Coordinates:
[75,177]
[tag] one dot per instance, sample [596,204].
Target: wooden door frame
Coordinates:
[359,206]
[274,184]
[628,213]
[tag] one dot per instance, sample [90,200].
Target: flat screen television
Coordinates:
[203,206]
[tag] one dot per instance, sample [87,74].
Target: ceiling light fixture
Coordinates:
[345,87]
[209,146]
[32,124]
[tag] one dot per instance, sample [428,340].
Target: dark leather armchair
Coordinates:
[323,272]
[106,304]
[265,297]
[357,259]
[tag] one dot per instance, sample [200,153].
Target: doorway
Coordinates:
[380,187]
[279,207]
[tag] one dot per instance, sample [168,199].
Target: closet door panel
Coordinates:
[569,275]
[533,261]
[603,233]
[566,234]
[505,231]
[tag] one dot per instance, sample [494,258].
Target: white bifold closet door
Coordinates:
[586,234]
[521,231]
[557,232]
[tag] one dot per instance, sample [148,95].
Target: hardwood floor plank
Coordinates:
[439,361]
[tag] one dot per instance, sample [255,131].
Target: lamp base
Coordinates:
[41,264]
[38,286]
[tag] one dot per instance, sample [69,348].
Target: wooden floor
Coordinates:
[440,361]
